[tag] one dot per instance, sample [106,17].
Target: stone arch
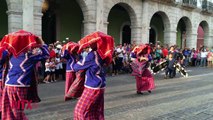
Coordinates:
[164,17]
[129,6]
[81,3]
[187,38]
[83,7]
[117,17]
[205,26]
[133,9]
[166,25]
[59,10]
[187,22]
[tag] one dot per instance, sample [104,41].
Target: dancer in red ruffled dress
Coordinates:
[144,78]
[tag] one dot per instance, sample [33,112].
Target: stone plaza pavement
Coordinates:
[173,99]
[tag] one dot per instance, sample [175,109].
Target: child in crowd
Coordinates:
[170,66]
[47,71]
[52,69]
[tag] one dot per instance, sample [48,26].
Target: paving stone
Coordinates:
[173,99]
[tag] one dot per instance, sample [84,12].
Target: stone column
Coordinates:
[28,15]
[14,15]
[170,37]
[14,20]
[105,28]
[89,26]
[145,22]
[145,34]
[208,41]
[191,40]
[136,34]
[32,16]
[38,24]
[100,22]
[208,37]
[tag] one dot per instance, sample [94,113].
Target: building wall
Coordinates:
[175,13]
[95,14]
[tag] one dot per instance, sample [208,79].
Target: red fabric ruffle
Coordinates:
[142,48]
[103,42]
[20,41]
[72,47]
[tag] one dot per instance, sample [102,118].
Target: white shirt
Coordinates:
[119,50]
[204,54]
[47,67]
[59,64]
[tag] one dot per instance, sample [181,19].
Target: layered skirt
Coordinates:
[77,87]
[70,77]
[12,101]
[145,82]
[90,106]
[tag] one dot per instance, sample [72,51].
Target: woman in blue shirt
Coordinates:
[90,106]
[21,83]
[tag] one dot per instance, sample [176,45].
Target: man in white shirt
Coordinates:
[119,51]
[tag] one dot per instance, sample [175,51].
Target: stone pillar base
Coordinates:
[145,34]
[208,41]
[191,40]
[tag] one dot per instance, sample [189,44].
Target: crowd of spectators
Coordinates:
[54,68]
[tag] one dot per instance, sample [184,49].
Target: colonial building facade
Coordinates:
[187,23]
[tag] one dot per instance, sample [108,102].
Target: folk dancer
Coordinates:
[69,52]
[144,78]
[20,85]
[3,63]
[90,106]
